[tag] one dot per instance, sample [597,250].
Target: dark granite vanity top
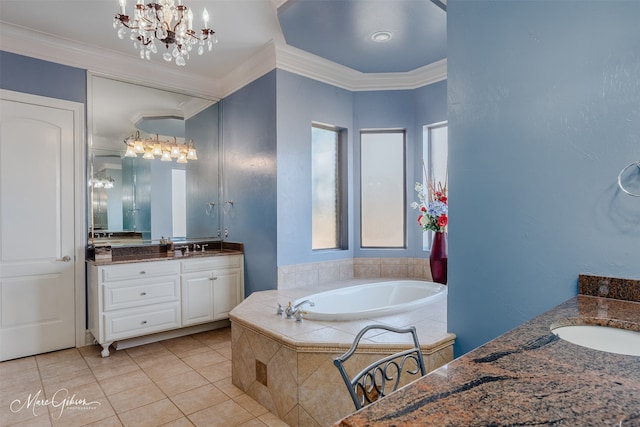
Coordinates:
[528,376]
[145,253]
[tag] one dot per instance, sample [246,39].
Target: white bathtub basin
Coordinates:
[603,338]
[372,300]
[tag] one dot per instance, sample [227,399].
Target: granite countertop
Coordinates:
[151,253]
[128,259]
[528,376]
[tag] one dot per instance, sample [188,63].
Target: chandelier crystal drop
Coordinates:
[168,22]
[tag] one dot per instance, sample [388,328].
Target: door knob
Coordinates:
[65,258]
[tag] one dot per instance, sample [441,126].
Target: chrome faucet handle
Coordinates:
[196,247]
[289,311]
[298,315]
[279,310]
[203,246]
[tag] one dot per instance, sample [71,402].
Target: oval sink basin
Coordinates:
[603,338]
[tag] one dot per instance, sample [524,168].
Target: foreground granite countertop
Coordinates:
[528,376]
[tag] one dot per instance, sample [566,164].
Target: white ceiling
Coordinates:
[250,42]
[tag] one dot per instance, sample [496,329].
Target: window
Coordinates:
[327,191]
[435,158]
[382,189]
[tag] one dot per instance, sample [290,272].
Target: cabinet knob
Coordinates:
[144,322]
[143,272]
[142,294]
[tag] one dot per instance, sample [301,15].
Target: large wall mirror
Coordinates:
[140,196]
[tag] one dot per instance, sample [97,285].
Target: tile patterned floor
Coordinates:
[179,382]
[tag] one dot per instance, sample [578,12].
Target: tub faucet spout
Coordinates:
[300,304]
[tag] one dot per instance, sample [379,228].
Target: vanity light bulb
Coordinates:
[157,150]
[148,154]
[138,145]
[182,158]
[131,152]
[175,151]
[166,156]
[191,154]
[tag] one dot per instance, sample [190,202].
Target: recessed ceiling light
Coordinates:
[381,36]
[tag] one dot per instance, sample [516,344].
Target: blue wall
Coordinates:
[203,174]
[29,75]
[543,114]
[430,108]
[249,140]
[302,101]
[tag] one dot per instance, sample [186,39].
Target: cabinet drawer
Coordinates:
[212,263]
[141,321]
[139,270]
[135,293]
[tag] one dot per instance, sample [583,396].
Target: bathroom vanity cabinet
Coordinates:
[210,288]
[140,298]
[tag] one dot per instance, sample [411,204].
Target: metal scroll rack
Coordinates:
[630,165]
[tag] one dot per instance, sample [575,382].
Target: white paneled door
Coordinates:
[37,223]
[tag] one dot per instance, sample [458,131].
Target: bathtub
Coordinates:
[371,300]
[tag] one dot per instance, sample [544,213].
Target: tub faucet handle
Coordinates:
[289,311]
[298,315]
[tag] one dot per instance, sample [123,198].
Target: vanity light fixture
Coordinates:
[102,182]
[167,21]
[150,148]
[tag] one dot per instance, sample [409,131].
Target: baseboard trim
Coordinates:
[160,336]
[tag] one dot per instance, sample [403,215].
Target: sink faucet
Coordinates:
[292,309]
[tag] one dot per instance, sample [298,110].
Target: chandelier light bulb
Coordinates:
[205,17]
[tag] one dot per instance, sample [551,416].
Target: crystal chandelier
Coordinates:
[150,148]
[166,22]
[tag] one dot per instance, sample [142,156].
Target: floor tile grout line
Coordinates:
[220,342]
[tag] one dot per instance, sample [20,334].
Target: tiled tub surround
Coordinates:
[319,273]
[528,376]
[287,366]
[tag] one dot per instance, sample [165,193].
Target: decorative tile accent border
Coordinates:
[312,274]
[609,287]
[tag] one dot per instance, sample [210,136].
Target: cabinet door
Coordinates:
[197,298]
[226,288]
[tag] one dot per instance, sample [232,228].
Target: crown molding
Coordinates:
[259,64]
[272,55]
[306,64]
[31,43]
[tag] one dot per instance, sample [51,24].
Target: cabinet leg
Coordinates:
[105,349]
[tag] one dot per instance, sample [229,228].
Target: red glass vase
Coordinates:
[438,257]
